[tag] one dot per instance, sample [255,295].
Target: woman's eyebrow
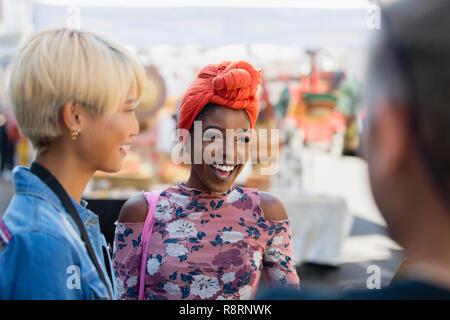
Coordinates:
[223,129]
[213,127]
[130,101]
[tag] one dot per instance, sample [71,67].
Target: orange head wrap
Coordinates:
[229,84]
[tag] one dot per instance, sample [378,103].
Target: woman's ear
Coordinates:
[71,115]
[73,118]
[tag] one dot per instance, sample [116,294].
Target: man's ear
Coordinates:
[71,115]
[393,139]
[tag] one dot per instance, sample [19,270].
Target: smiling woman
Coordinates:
[224,148]
[74,95]
[211,239]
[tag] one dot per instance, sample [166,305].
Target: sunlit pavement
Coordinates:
[368,244]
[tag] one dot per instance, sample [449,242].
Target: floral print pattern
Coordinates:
[205,245]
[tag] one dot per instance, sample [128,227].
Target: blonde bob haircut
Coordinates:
[57,66]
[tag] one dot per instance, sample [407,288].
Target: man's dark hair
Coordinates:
[409,64]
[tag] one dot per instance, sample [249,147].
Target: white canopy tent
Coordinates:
[306,23]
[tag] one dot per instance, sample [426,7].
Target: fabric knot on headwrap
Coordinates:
[229,84]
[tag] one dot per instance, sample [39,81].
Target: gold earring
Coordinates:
[75,132]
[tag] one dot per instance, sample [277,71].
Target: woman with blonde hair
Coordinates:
[74,96]
[209,238]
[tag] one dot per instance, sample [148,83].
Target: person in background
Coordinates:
[6,151]
[211,238]
[9,137]
[406,144]
[74,96]
[7,125]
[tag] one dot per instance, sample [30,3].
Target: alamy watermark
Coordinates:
[373,21]
[74,279]
[73,21]
[374,280]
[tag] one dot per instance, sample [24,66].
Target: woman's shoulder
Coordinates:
[272,207]
[134,209]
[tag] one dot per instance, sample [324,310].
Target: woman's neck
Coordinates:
[195,183]
[67,169]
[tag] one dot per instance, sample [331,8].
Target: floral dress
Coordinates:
[205,245]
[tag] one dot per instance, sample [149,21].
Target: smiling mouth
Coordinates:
[124,148]
[222,171]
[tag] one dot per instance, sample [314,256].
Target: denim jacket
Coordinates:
[42,255]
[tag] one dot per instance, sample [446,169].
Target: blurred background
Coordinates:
[312,58]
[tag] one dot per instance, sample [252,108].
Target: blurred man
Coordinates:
[9,134]
[407,146]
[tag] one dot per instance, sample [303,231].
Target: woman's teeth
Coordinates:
[125,147]
[223,167]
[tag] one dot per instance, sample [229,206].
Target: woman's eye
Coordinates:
[215,137]
[212,136]
[244,139]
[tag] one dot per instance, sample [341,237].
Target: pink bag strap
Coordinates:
[152,200]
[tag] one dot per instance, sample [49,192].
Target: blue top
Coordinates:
[42,255]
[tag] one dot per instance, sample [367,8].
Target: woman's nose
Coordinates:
[135,126]
[235,153]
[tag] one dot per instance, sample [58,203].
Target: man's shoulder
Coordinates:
[401,290]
